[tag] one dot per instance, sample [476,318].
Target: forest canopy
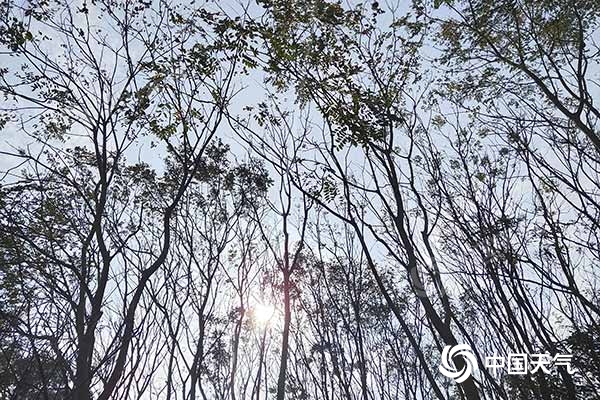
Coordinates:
[299,199]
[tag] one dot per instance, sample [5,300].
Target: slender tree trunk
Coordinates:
[287,318]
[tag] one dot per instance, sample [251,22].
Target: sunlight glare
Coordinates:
[263,313]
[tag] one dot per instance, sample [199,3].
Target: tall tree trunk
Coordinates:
[287,318]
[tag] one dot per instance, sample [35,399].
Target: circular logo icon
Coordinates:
[448,353]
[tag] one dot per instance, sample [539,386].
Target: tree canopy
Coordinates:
[299,199]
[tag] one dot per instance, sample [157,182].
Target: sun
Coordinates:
[263,313]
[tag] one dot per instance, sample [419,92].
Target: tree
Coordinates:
[356,77]
[90,228]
